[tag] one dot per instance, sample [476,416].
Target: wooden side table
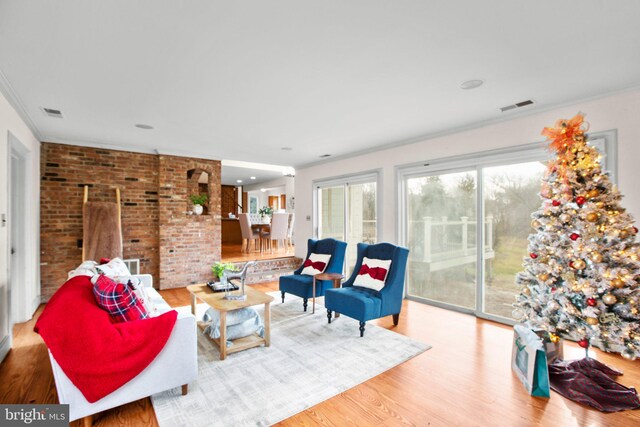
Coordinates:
[337,282]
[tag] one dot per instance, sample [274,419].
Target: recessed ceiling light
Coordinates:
[239,181]
[471,84]
[143,126]
[253,177]
[263,189]
[286,148]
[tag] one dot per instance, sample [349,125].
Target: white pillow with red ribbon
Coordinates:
[315,264]
[373,273]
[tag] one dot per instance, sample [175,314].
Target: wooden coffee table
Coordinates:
[337,282]
[217,302]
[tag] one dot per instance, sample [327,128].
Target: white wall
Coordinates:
[11,122]
[620,111]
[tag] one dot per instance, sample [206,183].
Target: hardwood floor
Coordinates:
[465,379]
[232,253]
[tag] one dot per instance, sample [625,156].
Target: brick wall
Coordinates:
[66,169]
[189,244]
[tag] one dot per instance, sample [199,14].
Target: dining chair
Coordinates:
[278,232]
[247,233]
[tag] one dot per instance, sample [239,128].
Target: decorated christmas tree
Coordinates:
[581,279]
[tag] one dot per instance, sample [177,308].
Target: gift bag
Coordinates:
[529,361]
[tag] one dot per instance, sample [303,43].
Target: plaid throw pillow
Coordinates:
[118,300]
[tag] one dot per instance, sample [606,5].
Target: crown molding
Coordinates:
[476,125]
[14,100]
[98,144]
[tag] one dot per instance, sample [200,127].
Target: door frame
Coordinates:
[470,162]
[374,175]
[605,141]
[20,296]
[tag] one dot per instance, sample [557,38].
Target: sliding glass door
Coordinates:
[441,210]
[347,210]
[510,194]
[466,223]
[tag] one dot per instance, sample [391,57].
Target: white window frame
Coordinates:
[604,141]
[355,178]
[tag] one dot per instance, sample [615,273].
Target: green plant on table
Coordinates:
[265,211]
[198,199]
[219,267]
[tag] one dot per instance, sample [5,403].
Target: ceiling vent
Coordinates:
[324,155]
[52,112]
[516,105]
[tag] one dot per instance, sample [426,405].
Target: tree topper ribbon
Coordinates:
[566,132]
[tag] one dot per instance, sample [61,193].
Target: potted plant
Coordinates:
[198,201]
[265,212]
[219,267]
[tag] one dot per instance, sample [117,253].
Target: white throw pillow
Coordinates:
[87,268]
[114,268]
[315,264]
[373,273]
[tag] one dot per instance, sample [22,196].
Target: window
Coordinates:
[347,210]
[253,204]
[466,221]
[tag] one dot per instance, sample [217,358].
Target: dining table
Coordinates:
[261,228]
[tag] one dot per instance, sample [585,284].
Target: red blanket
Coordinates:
[97,355]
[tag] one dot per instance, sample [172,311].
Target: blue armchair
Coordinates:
[301,285]
[364,304]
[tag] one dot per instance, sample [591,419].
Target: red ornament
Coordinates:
[533,255]
[574,236]
[571,264]
[635,230]
[584,343]
[553,289]
[580,200]
[591,302]
[556,203]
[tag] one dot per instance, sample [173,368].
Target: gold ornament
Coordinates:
[593,193]
[609,299]
[592,321]
[624,234]
[535,223]
[617,283]
[599,205]
[579,264]
[565,217]
[543,277]
[596,257]
[592,217]
[526,291]
[553,337]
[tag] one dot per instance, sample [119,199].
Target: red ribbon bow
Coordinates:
[377,273]
[318,265]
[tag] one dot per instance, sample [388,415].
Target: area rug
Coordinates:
[309,361]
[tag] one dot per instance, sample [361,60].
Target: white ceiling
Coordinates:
[231,174]
[242,79]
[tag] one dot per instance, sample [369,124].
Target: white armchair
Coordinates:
[176,365]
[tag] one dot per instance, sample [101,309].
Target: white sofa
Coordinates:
[176,365]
